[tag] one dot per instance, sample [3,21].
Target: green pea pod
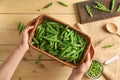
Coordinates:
[52,29]
[53,53]
[32,42]
[38,59]
[80,52]
[35,40]
[73,58]
[67,49]
[112,5]
[19,25]
[71,37]
[63,3]
[49,39]
[108,46]
[41,33]
[68,34]
[74,61]
[48,5]
[42,45]
[69,54]
[54,25]
[38,32]
[118,8]
[55,45]
[101,7]
[89,11]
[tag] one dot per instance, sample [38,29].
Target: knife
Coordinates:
[112,59]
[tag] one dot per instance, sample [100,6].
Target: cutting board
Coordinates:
[97,14]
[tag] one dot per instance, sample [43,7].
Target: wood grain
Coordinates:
[13,19]
[13,11]
[32,6]
[28,70]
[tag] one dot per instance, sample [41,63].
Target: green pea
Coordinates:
[89,10]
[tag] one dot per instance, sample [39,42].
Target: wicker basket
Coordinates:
[35,22]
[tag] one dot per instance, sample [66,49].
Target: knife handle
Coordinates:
[112,59]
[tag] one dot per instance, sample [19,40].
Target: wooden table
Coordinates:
[13,11]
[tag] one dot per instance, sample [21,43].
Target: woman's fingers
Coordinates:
[28,28]
[88,59]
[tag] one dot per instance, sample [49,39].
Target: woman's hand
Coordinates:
[78,73]
[9,66]
[24,37]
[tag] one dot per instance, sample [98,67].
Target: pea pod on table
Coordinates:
[118,8]
[89,10]
[48,5]
[101,7]
[112,5]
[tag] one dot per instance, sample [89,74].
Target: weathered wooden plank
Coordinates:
[31,54]
[10,21]
[52,70]
[9,32]
[117,69]
[9,37]
[32,6]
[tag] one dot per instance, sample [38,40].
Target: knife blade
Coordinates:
[114,58]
